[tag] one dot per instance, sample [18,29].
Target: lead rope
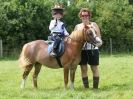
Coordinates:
[86,50]
[92,47]
[59,62]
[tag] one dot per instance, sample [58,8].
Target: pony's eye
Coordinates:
[90,34]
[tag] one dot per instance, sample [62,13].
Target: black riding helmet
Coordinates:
[57,9]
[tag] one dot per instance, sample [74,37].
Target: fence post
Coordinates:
[110,43]
[1,49]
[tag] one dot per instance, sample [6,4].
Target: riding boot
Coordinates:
[56,44]
[95,82]
[53,53]
[85,82]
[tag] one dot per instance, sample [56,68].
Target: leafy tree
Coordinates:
[23,21]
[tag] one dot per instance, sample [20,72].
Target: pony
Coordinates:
[35,54]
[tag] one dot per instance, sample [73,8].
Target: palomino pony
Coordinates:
[35,54]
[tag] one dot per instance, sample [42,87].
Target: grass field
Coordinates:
[116,81]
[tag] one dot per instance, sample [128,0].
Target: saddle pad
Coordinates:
[50,48]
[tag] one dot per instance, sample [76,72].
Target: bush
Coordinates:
[27,20]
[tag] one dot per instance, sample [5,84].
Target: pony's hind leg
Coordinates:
[25,74]
[35,74]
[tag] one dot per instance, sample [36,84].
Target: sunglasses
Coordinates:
[84,15]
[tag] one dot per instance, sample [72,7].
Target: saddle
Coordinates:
[59,51]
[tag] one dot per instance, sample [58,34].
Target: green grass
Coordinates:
[116,81]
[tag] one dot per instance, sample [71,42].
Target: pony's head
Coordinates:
[86,34]
[91,36]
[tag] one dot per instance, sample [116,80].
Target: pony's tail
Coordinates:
[23,59]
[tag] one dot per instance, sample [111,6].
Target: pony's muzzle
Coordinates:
[98,42]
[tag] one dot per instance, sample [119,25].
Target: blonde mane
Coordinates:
[77,35]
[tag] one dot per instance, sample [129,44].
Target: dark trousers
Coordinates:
[56,44]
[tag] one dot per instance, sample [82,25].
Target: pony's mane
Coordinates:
[77,34]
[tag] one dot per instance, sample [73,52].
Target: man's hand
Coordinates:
[55,23]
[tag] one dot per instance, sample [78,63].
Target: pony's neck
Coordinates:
[77,35]
[76,40]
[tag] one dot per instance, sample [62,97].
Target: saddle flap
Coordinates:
[59,51]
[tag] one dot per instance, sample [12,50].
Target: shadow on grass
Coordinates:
[122,87]
[43,89]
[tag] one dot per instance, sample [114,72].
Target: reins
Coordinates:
[76,40]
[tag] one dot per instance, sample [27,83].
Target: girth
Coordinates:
[59,62]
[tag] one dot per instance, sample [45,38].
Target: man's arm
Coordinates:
[96,28]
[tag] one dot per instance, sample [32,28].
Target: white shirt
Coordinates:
[87,46]
[57,28]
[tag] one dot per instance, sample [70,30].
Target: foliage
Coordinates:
[22,21]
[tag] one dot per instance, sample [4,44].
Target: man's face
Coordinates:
[84,15]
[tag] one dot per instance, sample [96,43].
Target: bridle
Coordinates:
[85,36]
[91,35]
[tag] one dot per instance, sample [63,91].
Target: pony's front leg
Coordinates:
[72,77]
[66,72]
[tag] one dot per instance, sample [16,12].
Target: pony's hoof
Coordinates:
[72,89]
[22,87]
[72,86]
[35,87]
